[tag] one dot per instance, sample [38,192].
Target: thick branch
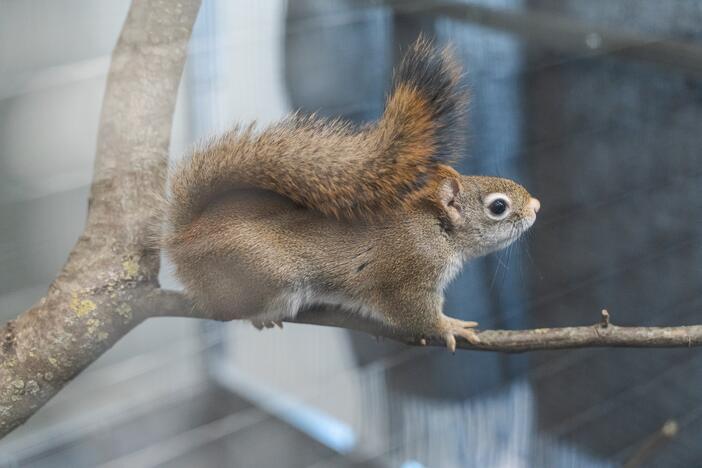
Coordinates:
[110,273]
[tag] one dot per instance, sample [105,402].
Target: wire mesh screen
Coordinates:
[594,106]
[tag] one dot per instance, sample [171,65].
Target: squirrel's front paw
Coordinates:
[453,328]
[261,324]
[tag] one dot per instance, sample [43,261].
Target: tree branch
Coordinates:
[110,272]
[602,334]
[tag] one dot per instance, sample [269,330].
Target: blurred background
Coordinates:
[594,106]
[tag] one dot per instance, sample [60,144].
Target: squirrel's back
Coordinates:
[331,166]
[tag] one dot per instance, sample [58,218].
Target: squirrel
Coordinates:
[373,219]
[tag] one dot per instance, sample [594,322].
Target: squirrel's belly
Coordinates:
[288,303]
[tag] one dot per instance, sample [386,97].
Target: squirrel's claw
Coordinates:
[450,342]
[459,328]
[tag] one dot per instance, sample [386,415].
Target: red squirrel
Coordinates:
[373,219]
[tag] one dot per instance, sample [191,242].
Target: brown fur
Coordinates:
[330,166]
[313,212]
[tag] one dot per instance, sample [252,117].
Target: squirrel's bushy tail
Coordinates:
[332,167]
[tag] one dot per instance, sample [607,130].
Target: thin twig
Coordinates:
[601,334]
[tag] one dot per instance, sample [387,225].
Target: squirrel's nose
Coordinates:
[534,204]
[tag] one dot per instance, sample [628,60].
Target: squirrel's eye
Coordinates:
[498,207]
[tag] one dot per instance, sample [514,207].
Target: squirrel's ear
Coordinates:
[447,196]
